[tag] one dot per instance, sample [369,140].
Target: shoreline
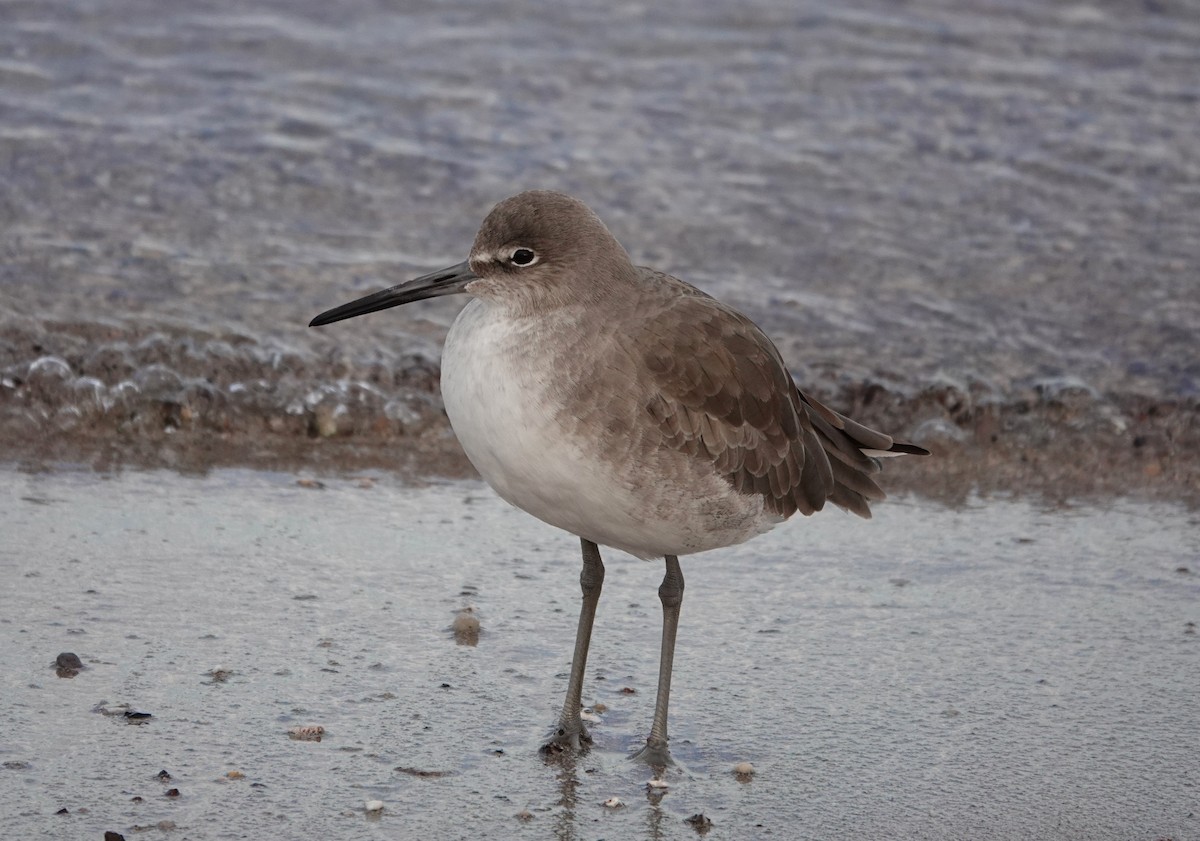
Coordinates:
[1056,447]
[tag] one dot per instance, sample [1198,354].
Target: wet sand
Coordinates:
[996,669]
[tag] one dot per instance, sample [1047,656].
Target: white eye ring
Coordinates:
[523,257]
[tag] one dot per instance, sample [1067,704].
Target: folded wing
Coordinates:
[721,393]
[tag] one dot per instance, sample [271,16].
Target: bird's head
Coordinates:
[536,250]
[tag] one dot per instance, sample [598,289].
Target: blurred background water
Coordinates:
[993,199]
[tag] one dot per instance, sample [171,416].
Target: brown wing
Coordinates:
[723,394]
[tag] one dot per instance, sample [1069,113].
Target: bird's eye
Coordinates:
[523,257]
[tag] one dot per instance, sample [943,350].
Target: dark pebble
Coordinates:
[163,776]
[113,836]
[419,772]
[172,792]
[134,715]
[68,660]
[67,665]
[63,811]
[699,822]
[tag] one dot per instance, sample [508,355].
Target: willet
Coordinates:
[628,408]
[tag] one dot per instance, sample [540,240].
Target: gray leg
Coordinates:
[670,593]
[570,734]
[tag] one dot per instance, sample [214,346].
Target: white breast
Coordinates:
[502,384]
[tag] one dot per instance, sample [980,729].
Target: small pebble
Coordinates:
[524,816]
[373,805]
[599,708]
[657,783]
[466,627]
[590,717]
[311,484]
[68,660]
[235,775]
[743,771]
[113,836]
[307,733]
[420,772]
[699,822]
[163,776]
[172,792]
[614,803]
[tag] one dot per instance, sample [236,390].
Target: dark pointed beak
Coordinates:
[448,281]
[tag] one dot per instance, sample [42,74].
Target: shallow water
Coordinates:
[983,197]
[991,671]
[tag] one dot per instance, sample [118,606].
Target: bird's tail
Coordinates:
[854,451]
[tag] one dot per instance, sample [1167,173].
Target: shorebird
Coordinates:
[628,408]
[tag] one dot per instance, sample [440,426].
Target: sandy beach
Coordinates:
[997,669]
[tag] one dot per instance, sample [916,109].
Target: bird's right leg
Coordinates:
[570,733]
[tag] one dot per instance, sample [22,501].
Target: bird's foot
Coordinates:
[569,737]
[655,754]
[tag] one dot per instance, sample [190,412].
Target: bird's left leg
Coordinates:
[670,593]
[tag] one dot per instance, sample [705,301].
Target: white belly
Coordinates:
[503,391]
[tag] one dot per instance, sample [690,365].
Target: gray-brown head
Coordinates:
[540,248]
[535,251]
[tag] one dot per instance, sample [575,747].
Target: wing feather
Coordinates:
[720,392]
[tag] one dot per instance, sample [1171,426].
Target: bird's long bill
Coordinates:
[445,282]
